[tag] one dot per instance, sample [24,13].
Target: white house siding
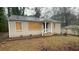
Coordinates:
[34,32]
[72,32]
[49,27]
[69,31]
[25,31]
[57,29]
[12,29]
[53,28]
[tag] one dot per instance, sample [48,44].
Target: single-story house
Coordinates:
[72,29]
[26,25]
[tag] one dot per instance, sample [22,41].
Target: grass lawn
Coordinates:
[53,43]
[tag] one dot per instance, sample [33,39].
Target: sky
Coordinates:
[29,12]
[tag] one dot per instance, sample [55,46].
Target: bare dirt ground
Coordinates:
[3,36]
[52,43]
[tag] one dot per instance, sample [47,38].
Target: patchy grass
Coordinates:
[53,43]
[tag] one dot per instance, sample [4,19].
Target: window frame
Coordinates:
[20,29]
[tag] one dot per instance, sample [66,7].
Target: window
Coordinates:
[18,26]
[34,25]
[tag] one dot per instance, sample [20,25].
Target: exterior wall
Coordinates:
[69,31]
[25,31]
[51,27]
[35,31]
[57,28]
[12,29]
[72,32]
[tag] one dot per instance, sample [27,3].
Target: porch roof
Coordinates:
[27,18]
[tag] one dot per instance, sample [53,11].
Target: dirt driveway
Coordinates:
[53,43]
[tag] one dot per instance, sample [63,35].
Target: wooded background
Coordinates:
[67,15]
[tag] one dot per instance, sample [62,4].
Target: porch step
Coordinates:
[47,34]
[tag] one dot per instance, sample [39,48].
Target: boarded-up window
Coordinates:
[34,25]
[18,25]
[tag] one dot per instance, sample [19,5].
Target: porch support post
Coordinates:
[51,27]
[45,27]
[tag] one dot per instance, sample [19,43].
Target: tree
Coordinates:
[3,21]
[9,11]
[16,11]
[46,12]
[22,10]
[64,15]
[37,10]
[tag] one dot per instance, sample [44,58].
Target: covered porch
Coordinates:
[48,28]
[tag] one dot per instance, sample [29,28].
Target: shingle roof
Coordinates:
[27,18]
